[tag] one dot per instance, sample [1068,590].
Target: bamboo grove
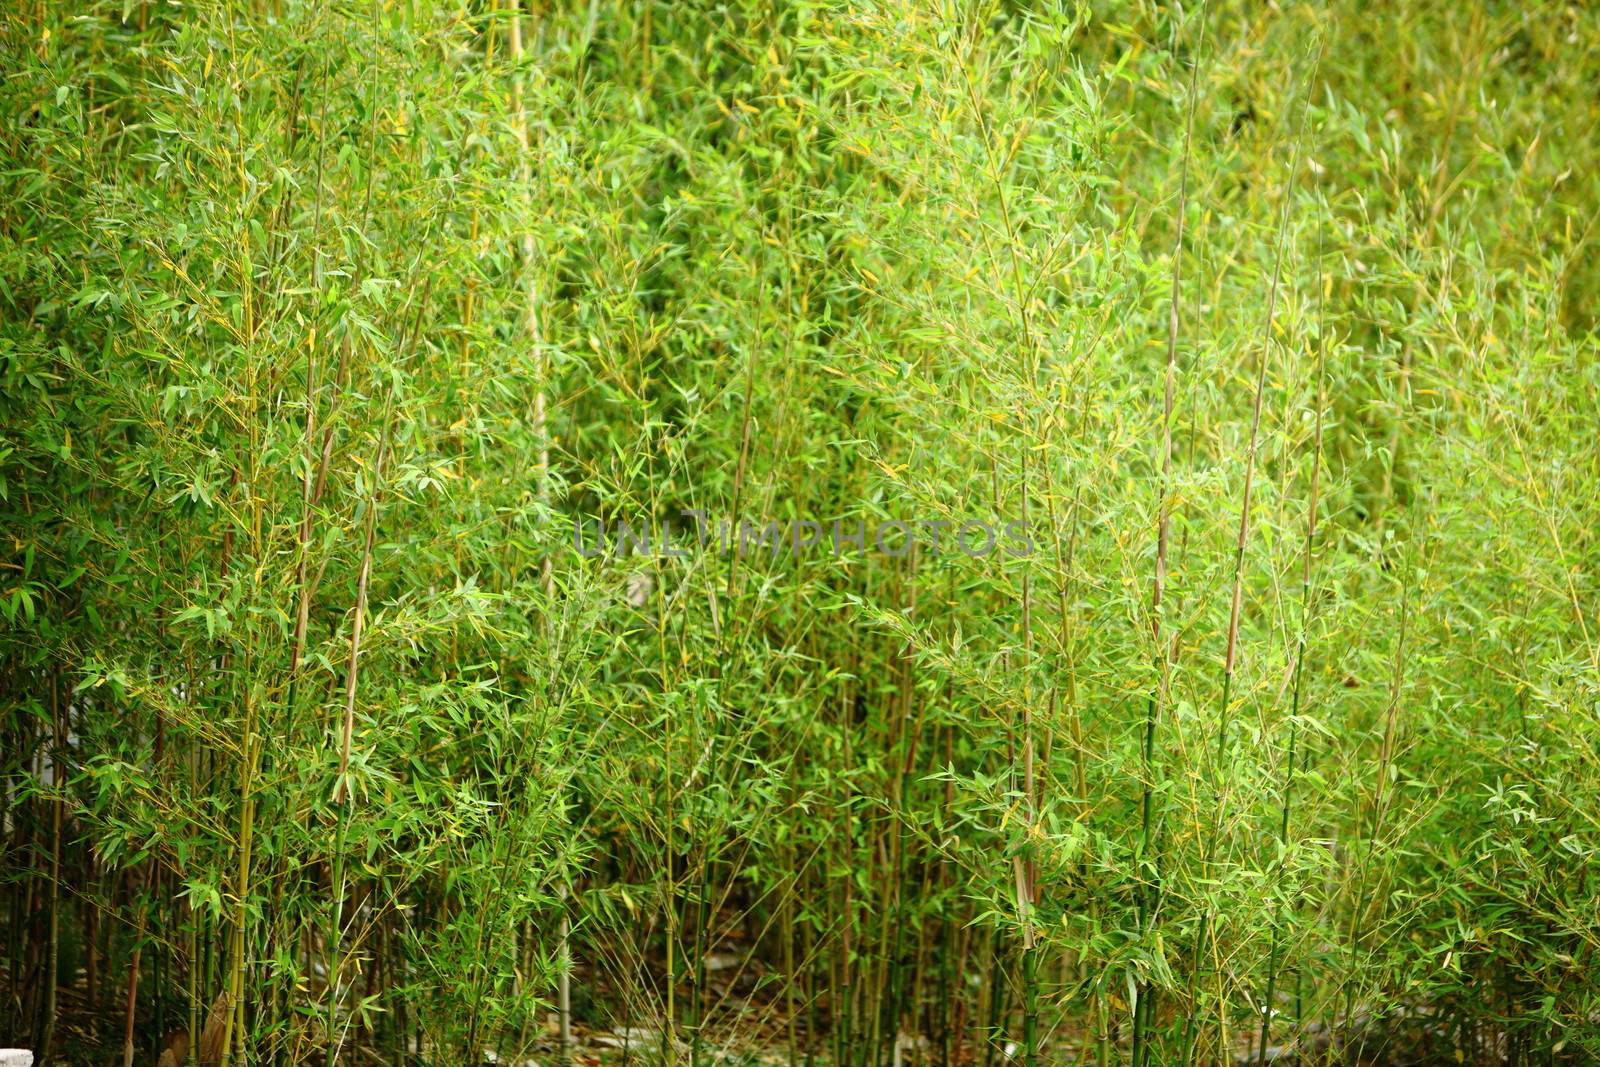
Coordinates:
[353,357]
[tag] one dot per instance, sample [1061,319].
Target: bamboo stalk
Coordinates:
[131,1002]
[1150,877]
[540,416]
[1230,662]
[47,1015]
[1306,606]
[343,795]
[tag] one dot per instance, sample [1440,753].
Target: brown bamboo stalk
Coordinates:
[133,971]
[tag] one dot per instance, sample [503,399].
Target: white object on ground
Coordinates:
[15,1057]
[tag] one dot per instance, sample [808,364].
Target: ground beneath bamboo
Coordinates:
[1400,1038]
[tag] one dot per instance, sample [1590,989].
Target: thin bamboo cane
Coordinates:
[1306,606]
[1230,662]
[529,249]
[1149,883]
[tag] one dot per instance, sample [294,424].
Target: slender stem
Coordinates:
[1230,662]
[1149,882]
[1306,606]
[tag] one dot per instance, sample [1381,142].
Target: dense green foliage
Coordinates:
[321,326]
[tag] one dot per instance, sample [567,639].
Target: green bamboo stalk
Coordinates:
[1148,892]
[47,1012]
[343,795]
[1207,922]
[1306,608]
